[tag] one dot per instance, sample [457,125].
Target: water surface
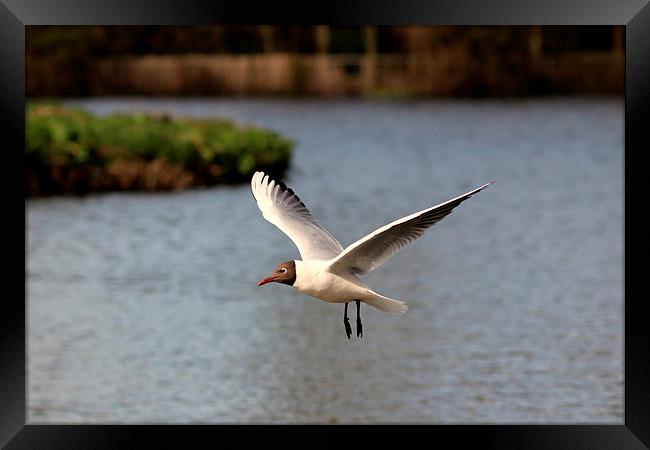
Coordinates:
[144,307]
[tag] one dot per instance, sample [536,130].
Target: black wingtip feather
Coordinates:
[284,187]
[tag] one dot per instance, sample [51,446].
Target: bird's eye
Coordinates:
[283,270]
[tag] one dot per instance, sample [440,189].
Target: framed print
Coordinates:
[137,131]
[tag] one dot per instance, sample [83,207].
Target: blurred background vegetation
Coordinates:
[324,61]
[71,151]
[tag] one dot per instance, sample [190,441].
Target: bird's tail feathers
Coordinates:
[385,304]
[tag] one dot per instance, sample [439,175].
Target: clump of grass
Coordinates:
[69,150]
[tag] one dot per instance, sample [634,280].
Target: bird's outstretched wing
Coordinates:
[370,252]
[282,207]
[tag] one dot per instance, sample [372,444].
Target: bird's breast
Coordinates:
[313,279]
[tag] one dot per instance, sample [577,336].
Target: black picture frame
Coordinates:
[16,14]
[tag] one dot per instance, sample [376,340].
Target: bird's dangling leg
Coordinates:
[359,326]
[346,321]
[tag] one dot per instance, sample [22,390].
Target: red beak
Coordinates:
[265,280]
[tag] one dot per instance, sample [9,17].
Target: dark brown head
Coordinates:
[285,273]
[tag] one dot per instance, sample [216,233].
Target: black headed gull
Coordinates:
[327,271]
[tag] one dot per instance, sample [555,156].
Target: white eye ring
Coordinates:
[283,270]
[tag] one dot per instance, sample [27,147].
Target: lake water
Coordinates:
[144,307]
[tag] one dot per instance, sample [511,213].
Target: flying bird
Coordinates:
[327,271]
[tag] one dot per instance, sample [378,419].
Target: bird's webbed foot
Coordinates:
[346,322]
[348,327]
[359,325]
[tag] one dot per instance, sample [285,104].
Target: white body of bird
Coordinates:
[315,279]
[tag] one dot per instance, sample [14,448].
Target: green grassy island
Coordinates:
[69,150]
